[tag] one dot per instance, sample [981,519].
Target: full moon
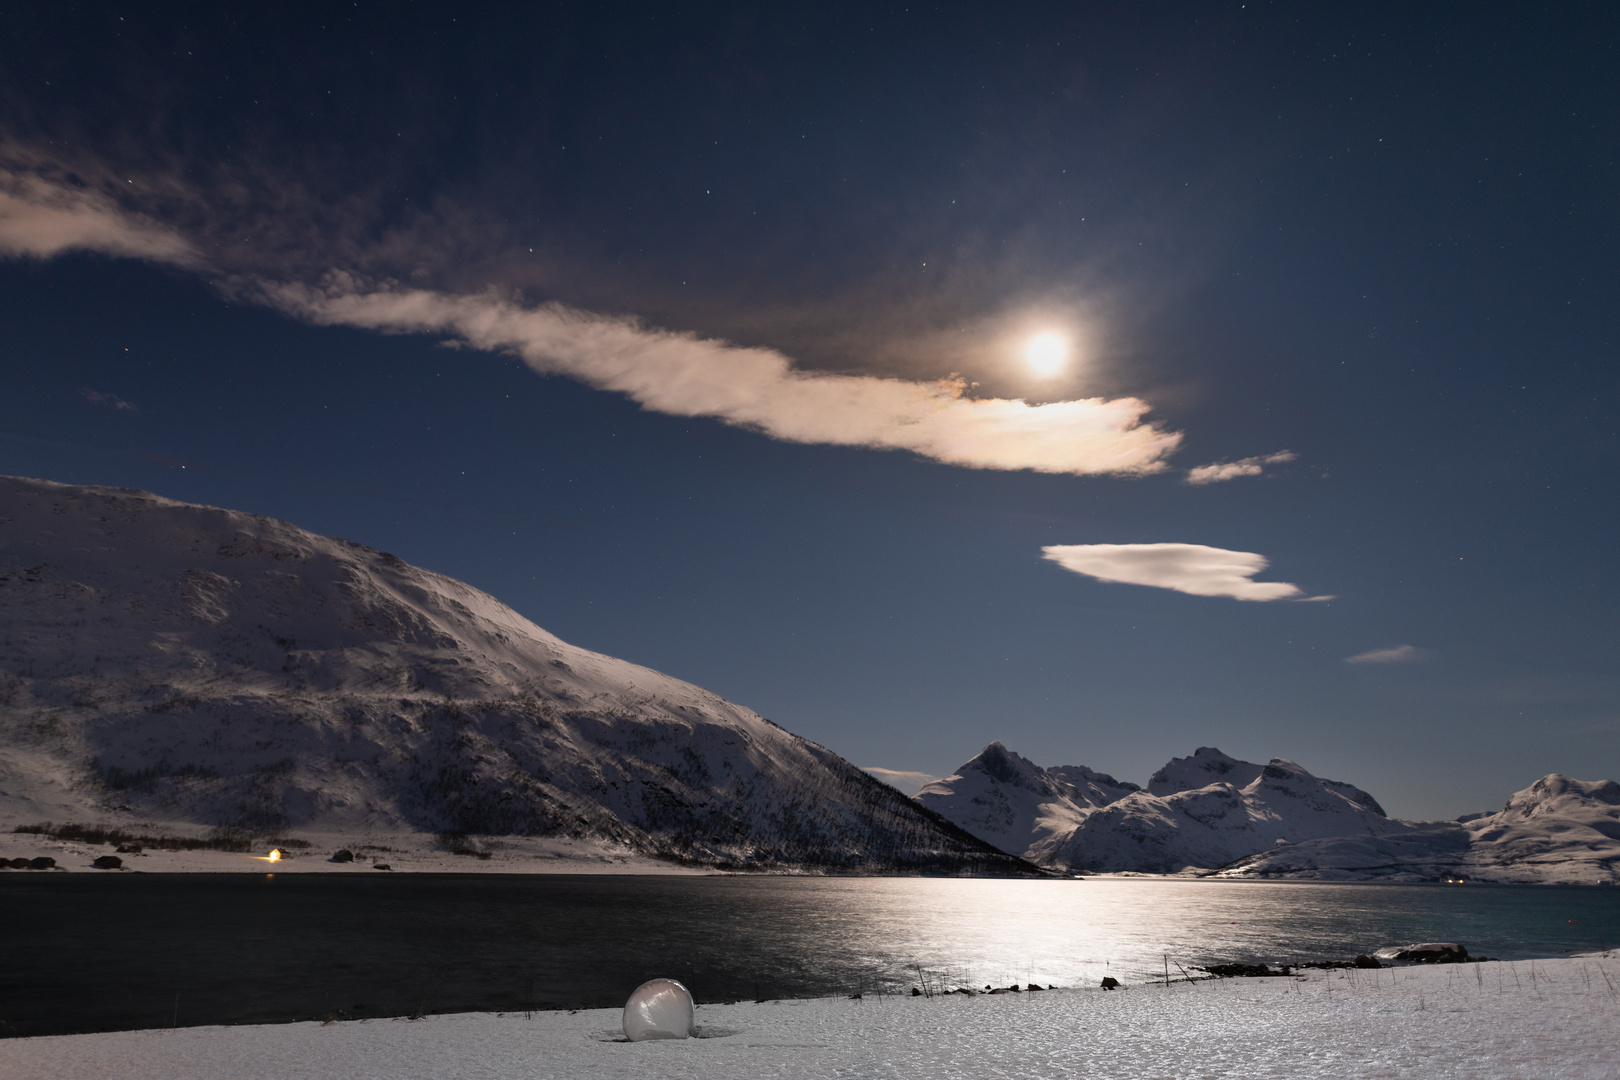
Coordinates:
[1045,353]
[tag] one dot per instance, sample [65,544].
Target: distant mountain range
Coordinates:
[166,662]
[178,663]
[1216,814]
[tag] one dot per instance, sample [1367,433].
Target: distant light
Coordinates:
[1046,353]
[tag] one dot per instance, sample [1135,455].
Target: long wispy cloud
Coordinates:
[1397,654]
[1195,569]
[1231,470]
[686,375]
[681,374]
[39,219]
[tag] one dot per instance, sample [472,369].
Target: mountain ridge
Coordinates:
[170,661]
[1214,815]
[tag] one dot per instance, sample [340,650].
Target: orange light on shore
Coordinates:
[276,855]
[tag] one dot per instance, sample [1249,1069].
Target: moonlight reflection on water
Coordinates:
[111,953]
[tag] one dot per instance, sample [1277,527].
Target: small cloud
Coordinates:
[1231,470]
[1189,568]
[908,782]
[112,401]
[1400,654]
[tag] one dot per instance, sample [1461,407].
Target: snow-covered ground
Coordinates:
[1532,1019]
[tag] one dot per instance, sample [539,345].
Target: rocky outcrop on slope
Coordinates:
[1018,806]
[177,662]
[1557,830]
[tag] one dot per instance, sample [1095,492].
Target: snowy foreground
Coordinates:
[1532,1019]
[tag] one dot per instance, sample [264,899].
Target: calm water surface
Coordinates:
[83,953]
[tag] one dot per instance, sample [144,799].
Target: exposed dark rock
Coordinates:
[381,866]
[343,855]
[1035,986]
[1110,983]
[130,849]
[1365,961]
[1437,952]
[1245,971]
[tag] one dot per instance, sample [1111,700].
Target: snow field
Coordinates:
[1540,1019]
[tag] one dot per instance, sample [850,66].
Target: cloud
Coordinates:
[40,220]
[1231,470]
[682,374]
[1400,654]
[1188,568]
[112,401]
[908,782]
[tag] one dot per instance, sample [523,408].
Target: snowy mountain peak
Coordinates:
[1015,804]
[1005,767]
[1556,793]
[1206,766]
[1210,809]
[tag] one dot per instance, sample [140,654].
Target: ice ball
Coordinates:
[659,1009]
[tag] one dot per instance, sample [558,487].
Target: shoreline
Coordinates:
[416,853]
[1480,1021]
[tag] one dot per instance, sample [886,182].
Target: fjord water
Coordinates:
[85,953]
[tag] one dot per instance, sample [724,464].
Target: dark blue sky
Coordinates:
[1379,237]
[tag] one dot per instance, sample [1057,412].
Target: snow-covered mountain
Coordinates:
[1015,804]
[165,661]
[1557,830]
[1214,813]
[1210,809]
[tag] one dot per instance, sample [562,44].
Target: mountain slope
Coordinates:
[187,663]
[1015,804]
[1557,830]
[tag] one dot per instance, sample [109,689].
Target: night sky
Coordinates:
[700,335]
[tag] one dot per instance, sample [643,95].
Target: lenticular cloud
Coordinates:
[686,375]
[1188,568]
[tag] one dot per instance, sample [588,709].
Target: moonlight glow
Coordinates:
[1045,354]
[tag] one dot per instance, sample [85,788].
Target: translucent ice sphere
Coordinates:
[659,1009]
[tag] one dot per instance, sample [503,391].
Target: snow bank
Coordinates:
[1545,1018]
